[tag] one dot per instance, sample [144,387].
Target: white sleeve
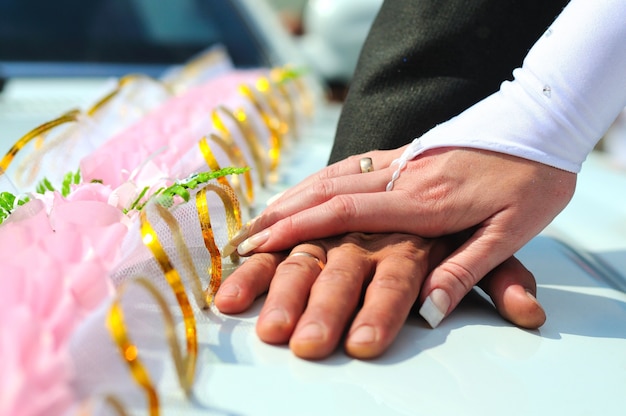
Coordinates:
[570,88]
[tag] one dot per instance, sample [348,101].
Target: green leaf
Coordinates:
[48,184]
[136,201]
[165,196]
[289,74]
[181,191]
[7,200]
[7,203]
[66,185]
[40,188]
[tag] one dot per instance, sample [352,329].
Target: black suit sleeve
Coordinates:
[425,61]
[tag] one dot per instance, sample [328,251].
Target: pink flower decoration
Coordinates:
[56,255]
[35,371]
[90,192]
[175,126]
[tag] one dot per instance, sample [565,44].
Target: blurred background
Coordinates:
[330,33]
[104,39]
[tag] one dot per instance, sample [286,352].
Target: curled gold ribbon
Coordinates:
[115,404]
[279,98]
[214,165]
[150,239]
[130,353]
[235,155]
[282,75]
[192,71]
[121,84]
[37,133]
[183,252]
[233,223]
[86,408]
[272,123]
[267,91]
[210,159]
[240,120]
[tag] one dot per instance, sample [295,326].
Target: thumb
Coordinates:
[451,280]
[513,290]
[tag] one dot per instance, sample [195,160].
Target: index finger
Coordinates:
[379,212]
[348,166]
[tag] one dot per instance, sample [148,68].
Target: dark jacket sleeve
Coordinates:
[425,61]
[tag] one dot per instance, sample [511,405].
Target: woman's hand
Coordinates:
[504,200]
[364,285]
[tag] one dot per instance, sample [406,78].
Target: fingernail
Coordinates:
[230,291]
[533,297]
[253,242]
[273,198]
[435,307]
[275,316]
[363,335]
[242,234]
[310,332]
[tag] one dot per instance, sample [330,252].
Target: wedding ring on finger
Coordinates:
[366,164]
[305,254]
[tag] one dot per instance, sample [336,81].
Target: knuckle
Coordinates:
[403,286]
[344,208]
[337,277]
[286,226]
[322,189]
[460,274]
[330,171]
[432,196]
[298,268]
[355,242]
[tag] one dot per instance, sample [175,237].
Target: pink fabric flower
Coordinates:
[55,262]
[175,126]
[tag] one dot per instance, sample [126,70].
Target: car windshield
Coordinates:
[122,31]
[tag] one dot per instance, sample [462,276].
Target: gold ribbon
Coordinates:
[240,119]
[279,100]
[37,133]
[150,239]
[190,72]
[121,84]
[183,252]
[130,353]
[210,160]
[235,156]
[285,74]
[233,223]
[272,123]
[115,404]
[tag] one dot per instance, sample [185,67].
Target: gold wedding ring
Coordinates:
[366,164]
[305,254]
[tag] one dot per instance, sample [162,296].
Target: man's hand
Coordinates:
[368,286]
